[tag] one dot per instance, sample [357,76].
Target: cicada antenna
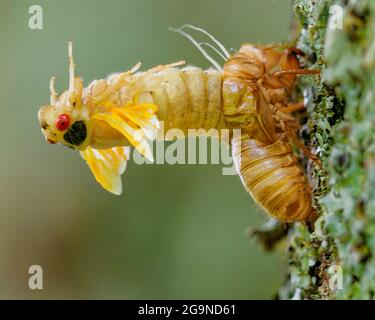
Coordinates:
[199,47]
[53,96]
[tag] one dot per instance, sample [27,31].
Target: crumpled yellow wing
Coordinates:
[138,124]
[107,165]
[142,115]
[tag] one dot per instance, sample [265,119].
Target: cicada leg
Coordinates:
[296,72]
[75,83]
[123,77]
[166,66]
[290,128]
[290,66]
[111,89]
[71,67]
[292,107]
[54,95]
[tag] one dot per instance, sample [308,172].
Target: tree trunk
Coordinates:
[333,258]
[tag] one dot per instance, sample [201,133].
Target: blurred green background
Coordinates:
[177,231]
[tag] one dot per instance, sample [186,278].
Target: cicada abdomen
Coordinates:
[188,98]
[274,178]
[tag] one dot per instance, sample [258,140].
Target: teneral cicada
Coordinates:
[250,93]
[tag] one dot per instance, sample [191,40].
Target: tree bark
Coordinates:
[338,38]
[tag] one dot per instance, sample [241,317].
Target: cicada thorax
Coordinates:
[263,156]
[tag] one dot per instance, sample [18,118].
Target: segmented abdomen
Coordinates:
[274,178]
[186,99]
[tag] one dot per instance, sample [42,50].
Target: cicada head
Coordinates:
[66,120]
[62,124]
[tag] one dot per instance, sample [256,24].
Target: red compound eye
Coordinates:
[62,122]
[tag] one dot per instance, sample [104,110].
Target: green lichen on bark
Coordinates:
[341,105]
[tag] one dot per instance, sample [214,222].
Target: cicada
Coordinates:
[251,92]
